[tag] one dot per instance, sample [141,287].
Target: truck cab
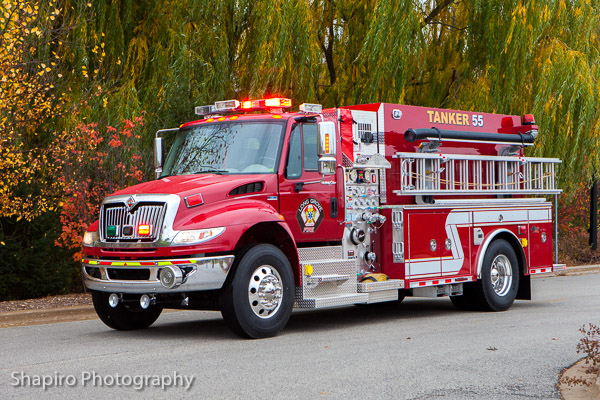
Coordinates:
[256,210]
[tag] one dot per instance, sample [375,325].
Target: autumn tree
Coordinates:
[33,92]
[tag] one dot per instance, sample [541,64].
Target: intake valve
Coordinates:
[370,257]
[357,236]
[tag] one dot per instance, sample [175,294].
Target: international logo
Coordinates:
[131,202]
[309,215]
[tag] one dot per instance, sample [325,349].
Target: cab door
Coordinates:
[312,210]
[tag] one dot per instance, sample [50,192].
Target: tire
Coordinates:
[257,301]
[121,317]
[499,283]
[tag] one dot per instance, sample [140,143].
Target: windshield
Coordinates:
[226,148]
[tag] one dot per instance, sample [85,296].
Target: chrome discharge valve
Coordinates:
[373,218]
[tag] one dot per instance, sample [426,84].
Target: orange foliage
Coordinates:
[90,168]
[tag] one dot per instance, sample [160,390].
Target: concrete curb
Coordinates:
[47,316]
[579,392]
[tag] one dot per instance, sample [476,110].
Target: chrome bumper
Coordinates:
[205,273]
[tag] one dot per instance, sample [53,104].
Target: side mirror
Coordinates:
[158,156]
[327,165]
[327,147]
[327,139]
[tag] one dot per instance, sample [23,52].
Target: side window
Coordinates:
[311,157]
[293,168]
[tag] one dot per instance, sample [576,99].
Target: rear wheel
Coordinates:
[257,301]
[121,317]
[499,283]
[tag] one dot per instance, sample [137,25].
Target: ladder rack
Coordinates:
[458,174]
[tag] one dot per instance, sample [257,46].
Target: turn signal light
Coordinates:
[194,200]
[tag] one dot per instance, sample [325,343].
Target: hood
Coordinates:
[212,186]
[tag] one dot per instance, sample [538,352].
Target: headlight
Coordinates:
[197,236]
[89,238]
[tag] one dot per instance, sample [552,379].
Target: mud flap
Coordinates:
[524,292]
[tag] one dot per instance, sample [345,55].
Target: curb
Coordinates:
[579,392]
[47,316]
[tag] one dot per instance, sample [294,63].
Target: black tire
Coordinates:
[262,270]
[122,318]
[499,283]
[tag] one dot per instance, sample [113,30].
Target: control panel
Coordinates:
[361,215]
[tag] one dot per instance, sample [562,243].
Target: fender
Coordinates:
[244,211]
[483,248]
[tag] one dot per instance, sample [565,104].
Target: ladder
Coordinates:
[459,174]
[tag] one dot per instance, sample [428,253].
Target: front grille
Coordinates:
[118,224]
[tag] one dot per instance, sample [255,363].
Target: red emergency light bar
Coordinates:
[229,106]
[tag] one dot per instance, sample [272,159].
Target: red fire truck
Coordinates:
[256,210]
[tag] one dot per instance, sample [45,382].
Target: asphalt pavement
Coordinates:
[421,349]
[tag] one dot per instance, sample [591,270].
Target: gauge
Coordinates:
[368,176]
[352,175]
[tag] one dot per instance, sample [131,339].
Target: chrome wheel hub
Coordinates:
[501,275]
[265,291]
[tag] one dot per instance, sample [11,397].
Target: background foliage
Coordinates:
[69,69]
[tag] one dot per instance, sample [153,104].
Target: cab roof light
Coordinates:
[311,108]
[205,110]
[227,105]
[278,102]
[528,119]
[221,107]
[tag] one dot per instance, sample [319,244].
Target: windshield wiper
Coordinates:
[212,171]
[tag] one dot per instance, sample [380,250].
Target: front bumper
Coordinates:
[141,276]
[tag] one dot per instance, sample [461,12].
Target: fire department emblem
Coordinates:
[131,202]
[309,215]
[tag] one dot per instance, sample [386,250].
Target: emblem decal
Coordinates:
[131,202]
[309,215]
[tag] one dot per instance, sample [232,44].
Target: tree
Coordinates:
[31,74]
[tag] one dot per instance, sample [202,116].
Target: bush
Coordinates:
[31,266]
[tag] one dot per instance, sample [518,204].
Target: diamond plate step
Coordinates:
[329,278]
[322,302]
[367,287]
[319,253]
[315,280]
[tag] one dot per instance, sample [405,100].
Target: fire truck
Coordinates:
[256,210]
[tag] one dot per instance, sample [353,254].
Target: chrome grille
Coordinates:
[117,216]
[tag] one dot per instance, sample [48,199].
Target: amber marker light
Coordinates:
[144,230]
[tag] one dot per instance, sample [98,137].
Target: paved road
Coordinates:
[422,349]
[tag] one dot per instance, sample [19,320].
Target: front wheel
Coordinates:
[121,317]
[257,302]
